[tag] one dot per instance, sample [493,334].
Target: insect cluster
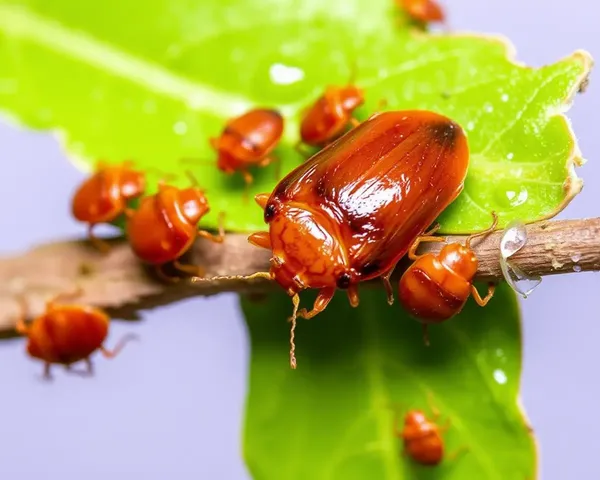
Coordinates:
[348,214]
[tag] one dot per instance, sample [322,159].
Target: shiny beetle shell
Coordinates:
[165,225]
[104,196]
[248,140]
[67,333]
[422,439]
[330,115]
[352,211]
[424,11]
[437,285]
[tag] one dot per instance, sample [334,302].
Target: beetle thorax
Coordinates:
[460,260]
[307,251]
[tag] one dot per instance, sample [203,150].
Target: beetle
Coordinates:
[436,286]
[423,11]
[329,117]
[67,333]
[249,140]
[352,211]
[104,196]
[422,437]
[165,226]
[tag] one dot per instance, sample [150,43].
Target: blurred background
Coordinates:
[171,405]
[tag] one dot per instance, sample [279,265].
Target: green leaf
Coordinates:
[332,417]
[154,80]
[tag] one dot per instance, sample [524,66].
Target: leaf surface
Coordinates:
[333,417]
[154,80]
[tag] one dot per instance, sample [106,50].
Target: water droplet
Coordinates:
[510,155]
[470,126]
[577,268]
[513,240]
[500,376]
[180,128]
[504,97]
[284,75]
[517,198]
[576,257]
[488,107]
[521,282]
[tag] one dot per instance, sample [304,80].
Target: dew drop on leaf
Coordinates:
[285,75]
[500,376]
[513,240]
[504,97]
[517,198]
[180,128]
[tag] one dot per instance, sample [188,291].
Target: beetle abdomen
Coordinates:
[429,298]
[158,232]
[67,334]
[97,200]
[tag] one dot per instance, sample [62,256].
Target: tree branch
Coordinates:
[118,282]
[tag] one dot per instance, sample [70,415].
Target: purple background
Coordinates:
[171,405]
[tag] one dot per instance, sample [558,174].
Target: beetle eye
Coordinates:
[343,281]
[269,212]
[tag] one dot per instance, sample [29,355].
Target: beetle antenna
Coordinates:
[296,302]
[487,231]
[119,346]
[192,178]
[265,275]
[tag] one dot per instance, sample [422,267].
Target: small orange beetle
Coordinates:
[165,226]
[352,211]
[436,286]
[249,140]
[104,196]
[422,437]
[328,118]
[423,11]
[66,334]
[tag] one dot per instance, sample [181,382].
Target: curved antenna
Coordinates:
[487,231]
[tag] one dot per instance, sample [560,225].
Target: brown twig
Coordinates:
[119,283]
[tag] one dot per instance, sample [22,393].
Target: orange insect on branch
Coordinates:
[67,333]
[165,226]
[351,212]
[436,287]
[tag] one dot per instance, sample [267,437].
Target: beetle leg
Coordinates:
[118,347]
[215,238]
[129,212]
[163,276]
[261,199]
[260,239]
[89,366]
[248,179]
[193,270]
[323,299]
[47,375]
[385,278]
[98,243]
[435,412]
[452,456]
[352,292]
[482,302]
[354,122]
[63,296]
[21,326]
[412,252]
[426,334]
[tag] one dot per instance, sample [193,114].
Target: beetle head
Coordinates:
[307,250]
[352,97]
[133,183]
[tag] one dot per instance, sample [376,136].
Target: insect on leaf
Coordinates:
[153,82]
[333,417]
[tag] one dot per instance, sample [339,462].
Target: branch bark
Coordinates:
[119,283]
